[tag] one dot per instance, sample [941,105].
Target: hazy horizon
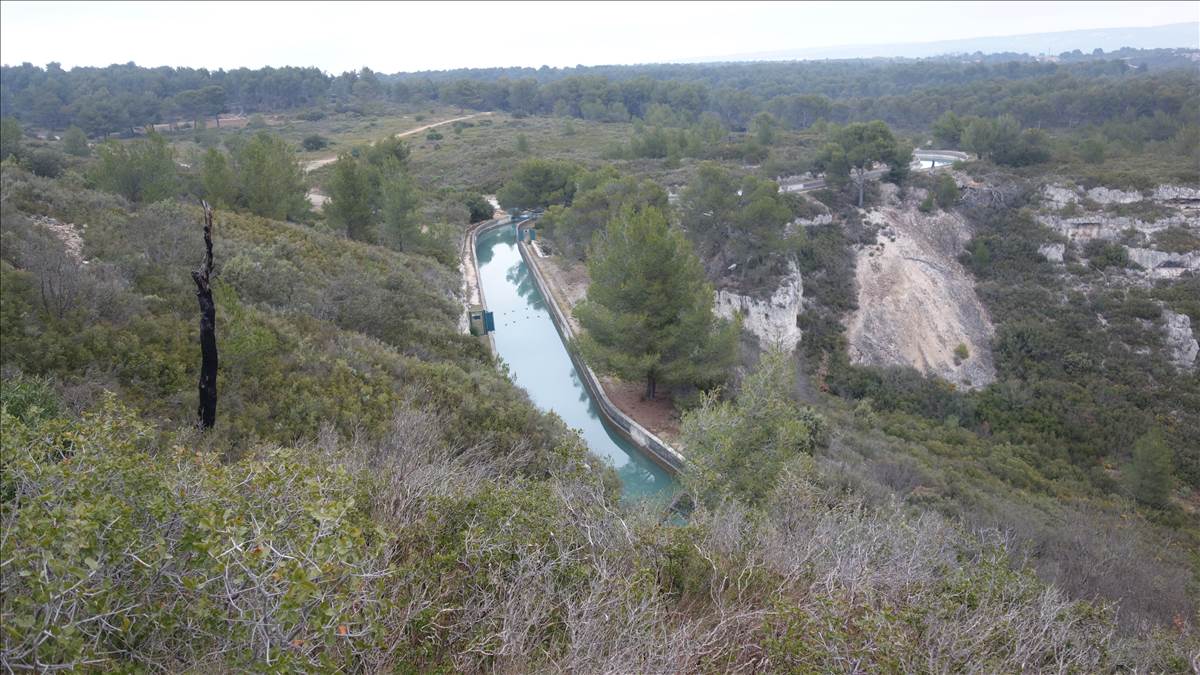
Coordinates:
[443,36]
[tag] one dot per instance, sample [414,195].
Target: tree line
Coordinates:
[907,94]
[117,97]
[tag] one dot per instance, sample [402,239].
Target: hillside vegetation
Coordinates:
[378,495]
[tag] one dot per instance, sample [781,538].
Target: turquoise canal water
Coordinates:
[537,360]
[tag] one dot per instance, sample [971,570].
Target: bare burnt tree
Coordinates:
[208,328]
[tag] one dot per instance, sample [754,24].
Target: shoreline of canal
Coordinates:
[646,442]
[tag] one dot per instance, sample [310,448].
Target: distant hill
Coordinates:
[1153,37]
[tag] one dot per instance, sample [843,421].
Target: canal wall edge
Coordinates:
[651,445]
[472,289]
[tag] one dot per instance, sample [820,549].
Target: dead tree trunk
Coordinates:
[208,329]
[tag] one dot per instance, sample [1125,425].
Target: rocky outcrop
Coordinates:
[1180,340]
[1053,252]
[1163,265]
[1103,195]
[1058,197]
[68,233]
[1108,227]
[1177,194]
[1147,257]
[1181,204]
[820,219]
[772,320]
[916,303]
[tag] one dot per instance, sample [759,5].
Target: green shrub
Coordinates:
[960,353]
[1092,151]
[314,142]
[1149,472]
[739,449]
[946,191]
[478,208]
[1102,254]
[75,142]
[46,162]
[1176,239]
[10,138]
[140,171]
[172,549]
[29,399]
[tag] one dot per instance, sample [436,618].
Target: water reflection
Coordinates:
[530,344]
[584,396]
[520,277]
[483,253]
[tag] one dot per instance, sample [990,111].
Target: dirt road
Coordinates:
[318,163]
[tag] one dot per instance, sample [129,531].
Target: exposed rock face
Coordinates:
[1183,201]
[800,223]
[916,303]
[1058,197]
[772,320]
[821,219]
[1177,193]
[1163,265]
[1180,340]
[1053,252]
[1103,195]
[1108,227]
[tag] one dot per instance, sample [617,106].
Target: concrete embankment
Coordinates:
[472,290]
[647,442]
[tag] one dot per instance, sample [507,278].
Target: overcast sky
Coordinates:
[391,37]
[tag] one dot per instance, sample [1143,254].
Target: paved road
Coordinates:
[918,155]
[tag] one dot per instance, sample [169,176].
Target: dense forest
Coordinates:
[378,494]
[906,94]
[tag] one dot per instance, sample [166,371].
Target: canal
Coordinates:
[537,361]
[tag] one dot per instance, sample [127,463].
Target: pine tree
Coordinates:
[220,188]
[141,171]
[75,142]
[350,198]
[739,448]
[860,147]
[270,179]
[400,199]
[649,311]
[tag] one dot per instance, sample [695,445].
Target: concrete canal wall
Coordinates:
[642,438]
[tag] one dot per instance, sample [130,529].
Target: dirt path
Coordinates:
[324,161]
[418,130]
[318,163]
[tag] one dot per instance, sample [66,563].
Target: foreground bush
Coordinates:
[124,552]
